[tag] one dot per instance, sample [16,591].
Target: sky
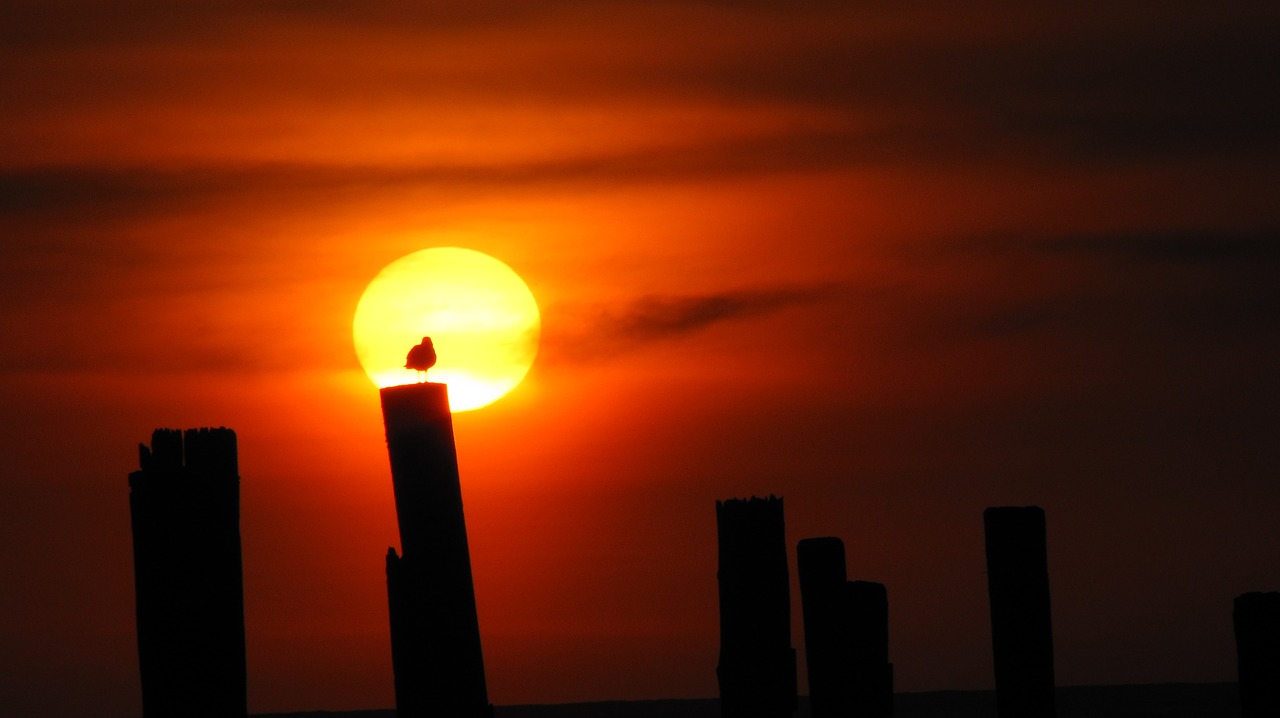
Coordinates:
[895,262]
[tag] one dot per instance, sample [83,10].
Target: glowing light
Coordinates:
[480,315]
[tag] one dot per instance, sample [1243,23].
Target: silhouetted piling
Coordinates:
[184,505]
[846,630]
[871,688]
[757,670]
[1257,627]
[821,565]
[435,631]
[1021,627]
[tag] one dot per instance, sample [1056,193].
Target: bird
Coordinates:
[421,358]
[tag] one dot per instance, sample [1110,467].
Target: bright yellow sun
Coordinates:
[480,315]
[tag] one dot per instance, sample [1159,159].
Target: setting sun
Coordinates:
[479,313]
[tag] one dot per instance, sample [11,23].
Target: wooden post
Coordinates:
[1021,627]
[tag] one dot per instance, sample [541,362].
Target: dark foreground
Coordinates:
[1169,700]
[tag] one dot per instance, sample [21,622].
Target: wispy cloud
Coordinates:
[604,333]
[1183,247]
[1130,288]
[1108,83]
[103,191]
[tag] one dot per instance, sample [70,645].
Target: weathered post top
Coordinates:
[204,451]
[411,404]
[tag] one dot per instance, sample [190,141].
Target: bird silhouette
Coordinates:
[421,358]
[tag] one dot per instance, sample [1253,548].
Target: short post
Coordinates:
[871,688]
[1021,627]
[821,563]
[1257,627]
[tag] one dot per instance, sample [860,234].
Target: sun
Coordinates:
[480,315]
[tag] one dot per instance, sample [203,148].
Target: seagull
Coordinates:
[421,358]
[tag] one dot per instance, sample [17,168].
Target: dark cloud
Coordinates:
[1259,248]
[69,23]
[192,343]
[603,333]
[1177,290]
[1094,83]
[1124,85]
[28,23]
[1015,320]
[64,190]
[88,353]
[1187,91]
[1185,247]
[172,342]
[103,192]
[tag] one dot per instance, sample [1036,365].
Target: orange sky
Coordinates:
[892,261]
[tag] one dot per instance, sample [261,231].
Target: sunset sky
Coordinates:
[895,262]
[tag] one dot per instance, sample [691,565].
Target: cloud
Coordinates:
[104,192]
[604,333]
[1105,83]
[1179,247]
[70,23]
[173,338]
[1173,289]
[1038,84]
[196,339]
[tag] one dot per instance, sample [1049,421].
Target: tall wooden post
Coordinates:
[1257,627]
[821,564]
[757,670]
[1021,627]
[184,506]
[435,630]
